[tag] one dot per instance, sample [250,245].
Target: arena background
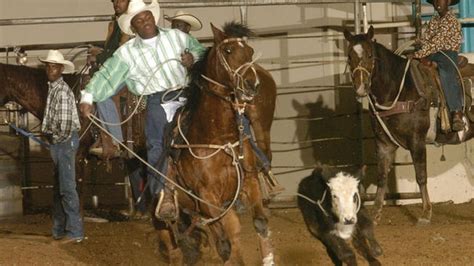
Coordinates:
[317,117]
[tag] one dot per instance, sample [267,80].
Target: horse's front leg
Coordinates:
[418,155]
[385,158]
[166,237]
[260,222]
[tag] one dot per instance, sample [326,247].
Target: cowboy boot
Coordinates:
[167,207]
[458,123]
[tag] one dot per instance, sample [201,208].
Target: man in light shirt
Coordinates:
[154,61]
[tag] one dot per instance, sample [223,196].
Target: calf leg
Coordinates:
[338,249]
[364,240]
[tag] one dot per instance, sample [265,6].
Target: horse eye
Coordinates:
[228,50]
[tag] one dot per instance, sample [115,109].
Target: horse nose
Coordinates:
[350,220]
[250,84]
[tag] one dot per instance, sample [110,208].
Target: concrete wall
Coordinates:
[307,61]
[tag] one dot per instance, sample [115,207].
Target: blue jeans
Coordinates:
[108,112]
[67,219]
[154,133]
[449,79]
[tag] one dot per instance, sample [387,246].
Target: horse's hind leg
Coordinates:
[385,156]
[418,155]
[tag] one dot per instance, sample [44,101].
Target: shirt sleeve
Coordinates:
[63,116]
[106,81]
[195,47]
[440,36]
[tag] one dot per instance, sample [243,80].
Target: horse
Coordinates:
[28,87]
[378,73]
[216,167]
[333,210]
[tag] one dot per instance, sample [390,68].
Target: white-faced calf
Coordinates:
[334,213]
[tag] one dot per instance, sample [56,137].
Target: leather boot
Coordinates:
[167,207]
[458,123]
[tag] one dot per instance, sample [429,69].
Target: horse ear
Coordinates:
[370,33]
[348,35]
[219,36]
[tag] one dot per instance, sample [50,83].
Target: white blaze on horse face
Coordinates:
[345,202]
[359,50]
[360,90]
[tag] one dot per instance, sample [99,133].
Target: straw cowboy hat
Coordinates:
[135,7]
[186,17]
[453,2]
[56,57]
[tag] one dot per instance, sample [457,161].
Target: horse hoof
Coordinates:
[423,222]
[377,251]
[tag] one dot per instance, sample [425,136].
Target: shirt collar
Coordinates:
[139,41]
[53,84]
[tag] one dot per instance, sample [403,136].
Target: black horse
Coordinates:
[385,79]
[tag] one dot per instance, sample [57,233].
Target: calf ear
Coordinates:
[348,35]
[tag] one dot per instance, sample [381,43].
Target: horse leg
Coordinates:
[386,156]
[260,222]
[418,155]
[227,235]
[165,235]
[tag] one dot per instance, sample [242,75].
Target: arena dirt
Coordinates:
[449,240]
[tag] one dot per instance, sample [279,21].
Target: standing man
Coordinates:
[107,109]
[153,62]
[61,124]
[443,37]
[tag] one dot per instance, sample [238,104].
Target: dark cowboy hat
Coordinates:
[453,2]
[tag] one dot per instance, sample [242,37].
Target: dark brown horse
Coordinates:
[221,180]
[377,73]
[29,88]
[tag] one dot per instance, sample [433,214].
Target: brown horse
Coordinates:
[377,73]
[208,165]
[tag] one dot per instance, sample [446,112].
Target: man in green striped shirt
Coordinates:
[155,61]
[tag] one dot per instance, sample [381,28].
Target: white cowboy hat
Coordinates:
[56,57]
[135,7]
[186,17]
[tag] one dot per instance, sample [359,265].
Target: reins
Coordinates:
[374,105]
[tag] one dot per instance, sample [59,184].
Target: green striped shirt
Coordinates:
[146,66]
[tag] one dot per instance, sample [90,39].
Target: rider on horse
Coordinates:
[440,43]
[148,65]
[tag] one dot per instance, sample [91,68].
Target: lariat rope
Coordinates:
[323,197]
[227,147]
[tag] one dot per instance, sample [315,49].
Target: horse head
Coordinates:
[345,197]
[233,59]
[361,60]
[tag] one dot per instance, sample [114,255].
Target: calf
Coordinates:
[334,213]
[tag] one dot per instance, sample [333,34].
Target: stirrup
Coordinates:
[169,216]
[274,187]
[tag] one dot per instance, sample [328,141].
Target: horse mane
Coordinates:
[237,29]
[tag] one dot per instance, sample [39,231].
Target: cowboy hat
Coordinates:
[134,8]
[193,21]
[453,2]
[56,57]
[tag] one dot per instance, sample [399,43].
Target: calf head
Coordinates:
[345,198]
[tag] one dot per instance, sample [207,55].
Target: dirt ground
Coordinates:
[449,240]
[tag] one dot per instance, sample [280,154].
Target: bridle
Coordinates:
[235,75]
